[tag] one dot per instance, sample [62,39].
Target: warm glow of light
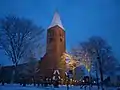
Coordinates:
[88,70]
[70,62]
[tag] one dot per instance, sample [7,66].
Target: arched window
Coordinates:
[60,39]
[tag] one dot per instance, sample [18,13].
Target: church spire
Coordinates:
[56,21]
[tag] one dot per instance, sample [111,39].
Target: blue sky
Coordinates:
[81,18]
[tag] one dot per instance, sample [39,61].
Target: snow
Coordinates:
[31,87]
[56,21]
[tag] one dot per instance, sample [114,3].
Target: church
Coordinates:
[55,49]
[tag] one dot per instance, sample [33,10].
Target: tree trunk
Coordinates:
[101,72]
[13,73]
[101,76]
[97,78]
[90,80]
[34,82]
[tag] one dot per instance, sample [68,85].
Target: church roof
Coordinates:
[56,21]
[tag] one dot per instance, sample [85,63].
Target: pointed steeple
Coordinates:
[56,21]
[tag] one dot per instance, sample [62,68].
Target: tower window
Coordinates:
[50,34]
[60,39]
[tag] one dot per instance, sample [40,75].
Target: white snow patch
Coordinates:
[56,21]
[31,87]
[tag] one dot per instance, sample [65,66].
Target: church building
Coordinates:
[56,46]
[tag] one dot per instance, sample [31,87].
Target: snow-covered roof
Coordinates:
[56,21]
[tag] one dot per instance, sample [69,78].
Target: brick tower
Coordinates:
[55,48]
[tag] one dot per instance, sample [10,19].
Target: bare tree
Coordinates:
[99,54]
[31,69]
[17,36]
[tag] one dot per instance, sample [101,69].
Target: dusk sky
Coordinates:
[81,19]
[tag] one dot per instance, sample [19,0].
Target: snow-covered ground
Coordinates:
[31,87]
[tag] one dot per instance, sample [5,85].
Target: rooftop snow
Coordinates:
[56,21]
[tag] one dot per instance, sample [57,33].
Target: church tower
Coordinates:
[55,47]
[56,37]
